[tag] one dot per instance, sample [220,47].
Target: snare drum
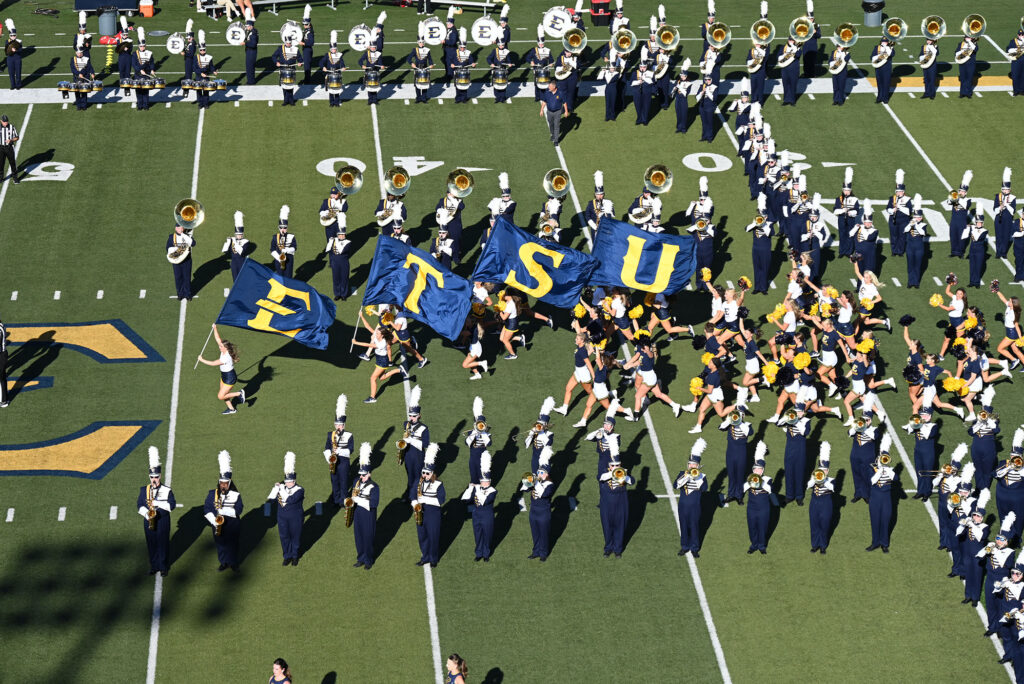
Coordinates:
[188,84]
[287,77]
[422,80]
[159,82]
[371,80]
[81,87]
[207,85]
[334,81]
[65,86]
[500,78]
[462,78]
[541,76]
[144,83]
[220,83]
[97,86]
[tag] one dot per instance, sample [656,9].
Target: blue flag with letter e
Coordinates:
[262,300]
[543,269]
[426,290]
[650,262]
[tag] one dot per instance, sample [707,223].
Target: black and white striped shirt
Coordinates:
[8,134]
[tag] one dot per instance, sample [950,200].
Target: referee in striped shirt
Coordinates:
[8,136]
[3,366]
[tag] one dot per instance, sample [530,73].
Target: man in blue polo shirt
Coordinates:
[553,107]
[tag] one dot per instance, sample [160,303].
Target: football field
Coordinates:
[102,355]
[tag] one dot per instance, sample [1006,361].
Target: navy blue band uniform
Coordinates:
[144,64]
[289,511]
[155,504]
[426,505]
[223,511]
[363,502]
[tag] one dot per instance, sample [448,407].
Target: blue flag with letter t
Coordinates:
[411,278]
[650,262]
[263,300]
[543,269]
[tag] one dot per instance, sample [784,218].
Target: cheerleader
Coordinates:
[618,308]
[407,343]
[795,284]
[871,349]
[380,344]
[712,391]
[869,297]
[603,362]
[858,382]
[661,315]
[474,355]
[228,377]
[829,354]
[914,371]
[956,308]
[457,671]
[646,379]
[787,380]
[582,374]
[509,315]
[844,318]
[754,359]
[1009,347]
[786,326]
[930,374]
[730,315]
[972,376]
[717,311]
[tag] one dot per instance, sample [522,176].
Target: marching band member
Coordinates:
[392,211]
[451,42]
[838,66]
[929,61]
[417,438]
[568,85]
[1009,597]
[814,238]
[1016,51]
[237,246]
[339,250]
[926,435]
[706,106]
[1018,247]
[448,214]
[967,57]
[1010,484]
[711,20]
[308,41]
[689,505]
[761,249]
[703,207]
[1005,205]
[736,431]
[289,498]
[430,497]
[977,250]
[822,487]
[155,504]
[333,62]
[539,57]
[795,458]
[228,377]
[145,66]
[975,535]
[611,74]
[442,247]
[606,440]
[946,482]
[881,59]
[282,246]
[177,241]
[862,455]
[503,205]
[366,499]
[643,89]
[124,52]
[809,48]
[681,91]
[332,210]
[619,20]
[865,239]
[462,60]
[541,490]
[614,506]
[500,58]
[960,208]
[998,559]
[481,496]
[223,510]
[880,501]
[477,440]
[287,55]
[540,435]
[759,512]
[957,515]
[916,233]
[371,60]
[397,226]
[711,65]
[86,38]
[664,83]
[757,64]
[338,451]
[377,33]
[189,52]
[252,41]
[506,31]
[788,58]
[206,71]
[645,207]
[743,108]
[649,49]
[599,206]
[846,210]
[983,444]
[81,70]
[898,210]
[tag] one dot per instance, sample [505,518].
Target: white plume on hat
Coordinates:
[967,474]
[961,450]
[983,498]
[711,6]
[744,84]
[810,6]
[249,15]
[289,463]
[238,219]
[801,181]
[598,178]
[825,453]
[685,66]
[766,128]
[579,7]
[698,447]
[540,33]
[661,12]
[224,461]
[618,5]
[764,8]
[154,457]
[451,13]
[771,147]
[988,395]
[306,12]
[285,211]
[341,406]
[502,180]
[430,455]
[414,396]
[485,459]
[504,12]
[188,25]
[462,35]
[702,183]
[762,203]
[547,406]
[866,208]
[81,19]
[334,37]
[613,408]
[816,203]
[783,156]
[545,457]
[1008,521]
[899,176]
[848,175]
[885,444]
[124,23]
[365,449]
[796,175]
[1007,172]
[917,201]
[968,176]
[420,31]
[381,17]
[761,451]
[142,34]
[653,23]
[202,38]
[478,407]
[1018,438]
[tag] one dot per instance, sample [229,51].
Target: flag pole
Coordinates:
[210,334]
[204,347]
[355,331]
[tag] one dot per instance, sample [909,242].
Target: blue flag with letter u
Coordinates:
[411,278]
[650,262]
[543,269]
[263,300]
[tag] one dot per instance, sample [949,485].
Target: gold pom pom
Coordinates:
[935,300]
[801,360]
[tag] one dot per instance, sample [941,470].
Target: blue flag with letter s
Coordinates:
[543,269]
[650,262]
[426,290]
[262,300]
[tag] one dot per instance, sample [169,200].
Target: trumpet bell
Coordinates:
[189,213]
[1017,462]
[846,34]
[801,29]
[973,25]
[694,472]
[719,35]
[549,227]
[574,40]
[623,42]
[667,37]
[460,183]
[349,180]
[895,29]
[396,181]
[657,178]
[481,426]
[735,418]
[619,473]
[818,475]
[933,27]
[885,459]
[762,32]
[528,477]
[982,415]
[556,182]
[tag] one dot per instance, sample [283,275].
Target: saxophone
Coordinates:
[332,461]
[151,514]
[350,504]
[218,502]
[417,508]
[403,444]
[282,256]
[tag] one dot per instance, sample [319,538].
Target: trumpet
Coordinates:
[915,419]
[954,195]
[702,224]
[694,472]
[539,426]
[735,418]
[480,426]
[556,182]
[623,42]
[860,424]
[759,220]
[954,499]
[619,475]
[349,180]
[1017,462]
[754,481]
[949,469]
[218,527]
[884,459]
[790,416]
[983,415]
[818,475]
[762,32]
[460,183]
[529,478]
[574,40]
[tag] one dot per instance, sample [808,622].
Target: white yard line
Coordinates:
[428,577]
[998,49]
[158,588]
[575,200]
[17,150]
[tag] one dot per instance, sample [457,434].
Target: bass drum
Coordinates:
[500,78]
[422,79]
[541,76]
[371,80]
[359,38]
[334,81]
[556,22]
[462,78]
[287,75]
[434,31]
[485,31]
[235,34]
[175,43]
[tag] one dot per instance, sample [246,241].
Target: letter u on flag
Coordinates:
[411,278]
[633,258]
[263,300]
[543,269]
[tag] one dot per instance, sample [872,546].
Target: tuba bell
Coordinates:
[667,38]
[396,181]
[574,40]
[801,29]
[845,35]
[762,32]
[460,183]
[933,27]
[623,42]
[895,29]
[189,213]
[349,180]
[657,178]
[973,25]
[556,182]
[719,35]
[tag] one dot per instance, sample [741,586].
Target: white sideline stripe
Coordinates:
[113,512]
[10,515]
[428,577]
[575,200]
[17,150]
[702,598]
[62,513]
[158,586]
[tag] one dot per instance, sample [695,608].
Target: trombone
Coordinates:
[478,426]
[884,459]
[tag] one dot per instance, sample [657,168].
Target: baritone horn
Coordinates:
[974,25]
[189,213]
[396,181]
[846,34]
[933,27]
[529,478]
[895,29]
[667,38]
[574,40]
[762,32]
[460,183]
[556,182]
[349,180]
[719,35]
[657,178]
[801,29]
[623,42]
